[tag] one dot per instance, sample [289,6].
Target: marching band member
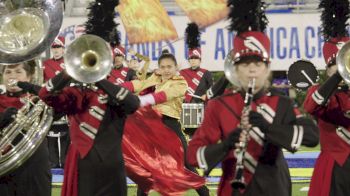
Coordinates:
[94,164]
[32,178]
[120,73]
[198,79]
[328,103]
[56,64]
[167,98]
[59,129]
[271,123]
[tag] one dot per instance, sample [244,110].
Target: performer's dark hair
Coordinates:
[167,55]
[29,67]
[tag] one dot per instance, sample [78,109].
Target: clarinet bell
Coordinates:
[238,182]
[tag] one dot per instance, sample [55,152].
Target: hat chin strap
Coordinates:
[195,67]
[118,66]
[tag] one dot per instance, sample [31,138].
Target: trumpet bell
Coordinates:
[27,28]
[343,62]
[88,59]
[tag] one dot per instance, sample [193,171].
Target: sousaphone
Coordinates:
[28,27]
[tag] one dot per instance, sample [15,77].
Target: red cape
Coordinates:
[154,156]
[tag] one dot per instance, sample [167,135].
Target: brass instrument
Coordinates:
[343,62]
[88,59]
[28,27]
[20,139]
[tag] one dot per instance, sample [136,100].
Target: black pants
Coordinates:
[58,157]
[340,185]
[175,126]
[190,131]
[33,178]
[102,177]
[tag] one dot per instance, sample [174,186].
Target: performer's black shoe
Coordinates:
[203,191]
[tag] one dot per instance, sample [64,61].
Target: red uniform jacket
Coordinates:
[96,119]
[8,100]
[265,171]
[198,81]
[334,123]
[85,110]
[52,67]
[121,75]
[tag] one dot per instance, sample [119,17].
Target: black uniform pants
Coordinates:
[102,177]
[58,141]
[341,179]
[33,178]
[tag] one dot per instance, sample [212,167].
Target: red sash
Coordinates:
[193,78]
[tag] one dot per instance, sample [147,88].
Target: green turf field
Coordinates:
[296,191]
[132,191]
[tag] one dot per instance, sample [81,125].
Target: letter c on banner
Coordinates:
[309,33]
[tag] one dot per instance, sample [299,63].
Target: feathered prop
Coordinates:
[193,35]
[247,15]
[335,14]
[115,37]
[101,18]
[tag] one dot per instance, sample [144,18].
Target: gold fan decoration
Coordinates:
[204,12]
[146,21]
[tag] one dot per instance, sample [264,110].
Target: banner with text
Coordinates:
[293,37]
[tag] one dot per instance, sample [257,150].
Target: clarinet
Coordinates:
[238,181]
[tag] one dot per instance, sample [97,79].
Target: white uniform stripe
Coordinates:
[210,93]
[295,135]
[249,162]
[121,94]
[299,138]
[97,112]
[202,163]
[49,86]
[190,90]
[267,112]
[88,130]
[265,115]
[268,109]
[317,97]
[102,99]
[343,134]
[259,132]
[200,74]
[256,137]
[249,167]
[195,81]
